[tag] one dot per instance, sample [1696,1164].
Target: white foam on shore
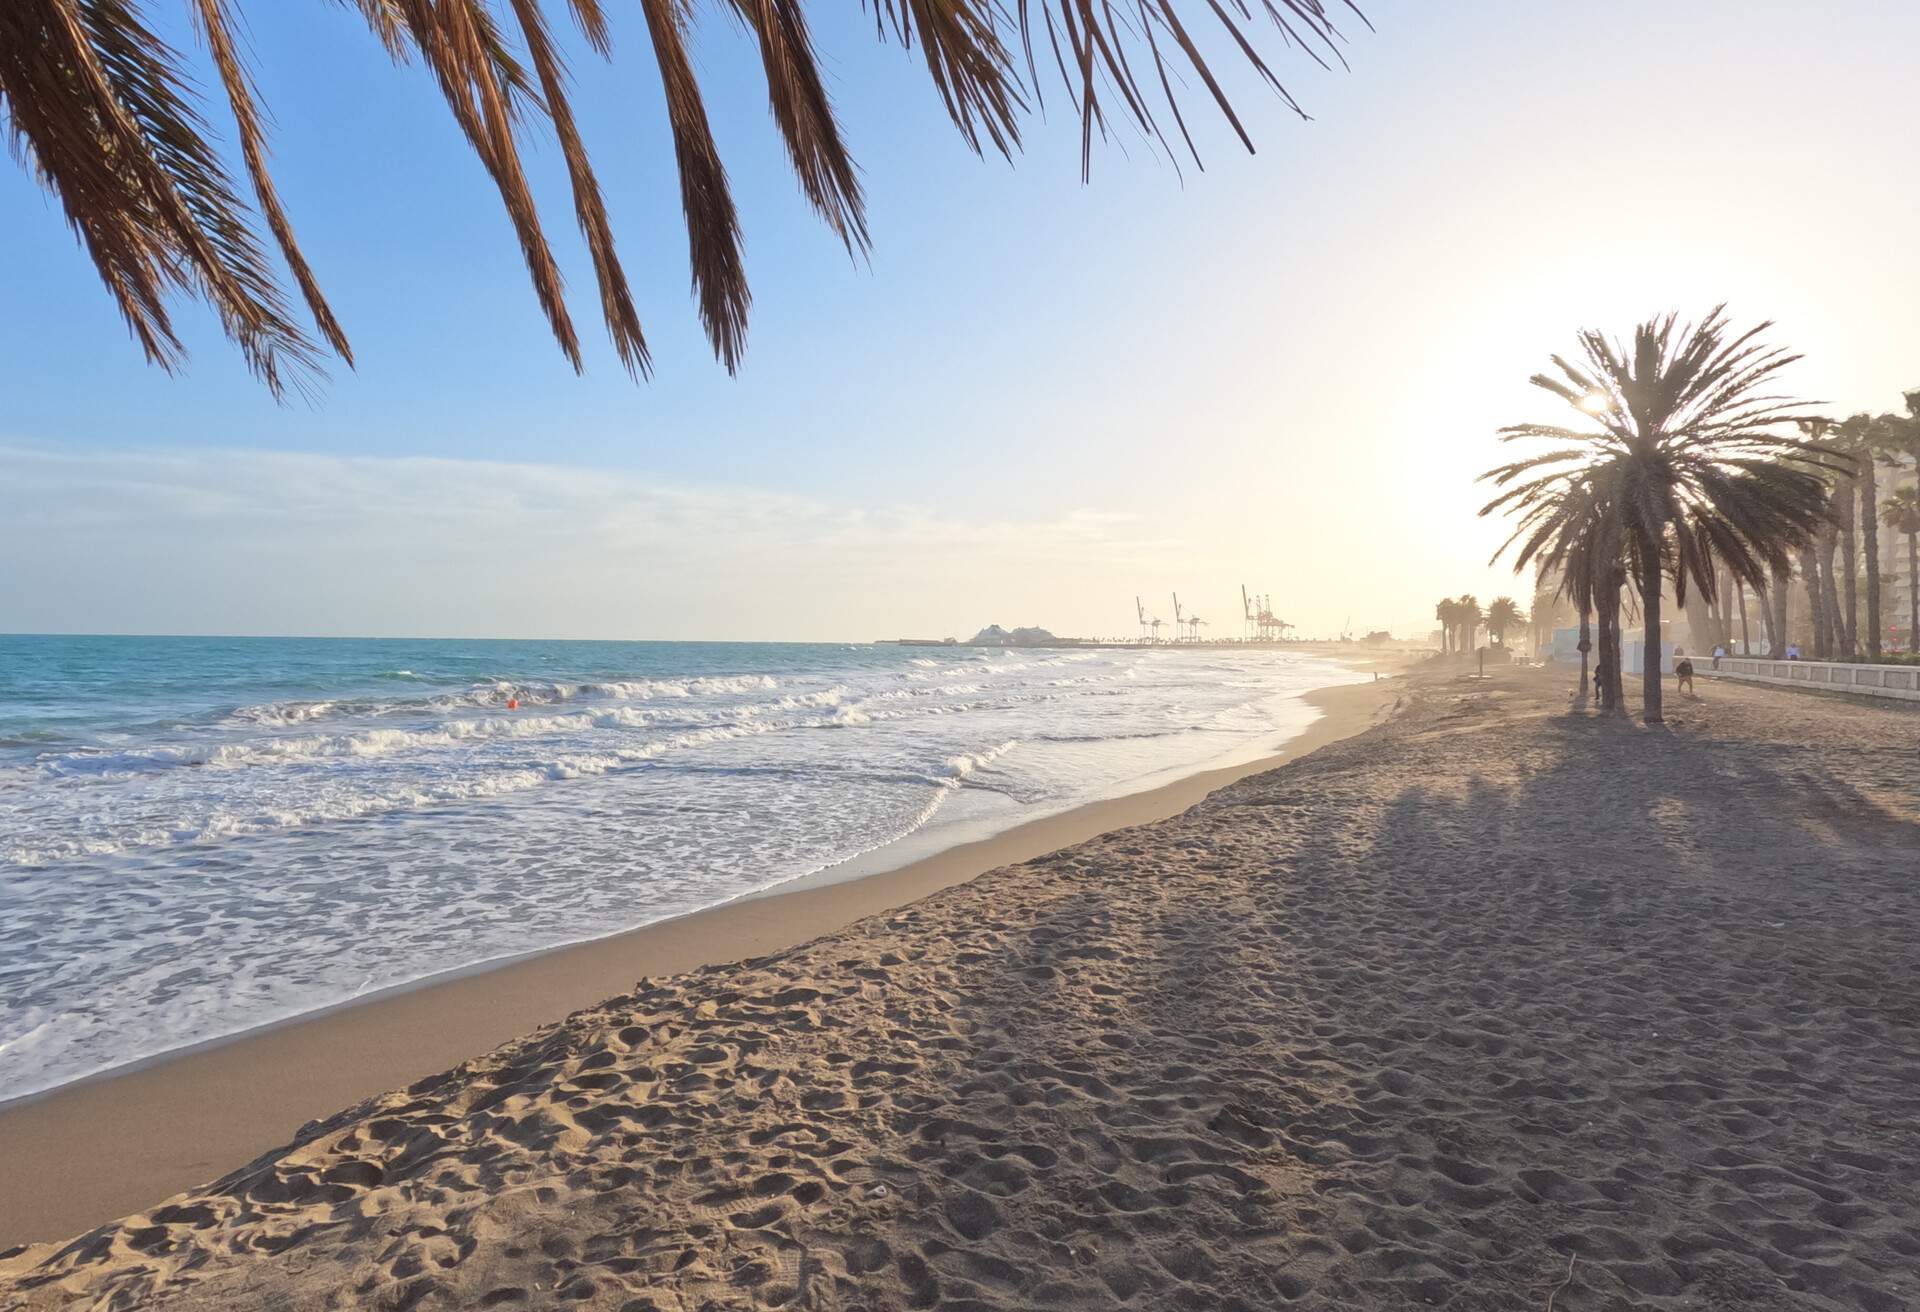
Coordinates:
[189,882]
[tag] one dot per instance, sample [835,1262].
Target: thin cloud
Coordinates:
[248,541]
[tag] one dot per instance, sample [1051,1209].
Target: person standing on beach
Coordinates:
[1718,652]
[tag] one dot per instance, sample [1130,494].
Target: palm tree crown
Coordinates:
[1901,512]
[101,109]
[1503,613]
[1679,459]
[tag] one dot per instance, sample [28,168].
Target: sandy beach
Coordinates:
[1483,1007]
[105,1147]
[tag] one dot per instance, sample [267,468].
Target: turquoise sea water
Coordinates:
[202,835]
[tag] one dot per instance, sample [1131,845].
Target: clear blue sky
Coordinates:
[1036,400]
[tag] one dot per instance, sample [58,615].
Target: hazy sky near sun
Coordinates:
[1038,399]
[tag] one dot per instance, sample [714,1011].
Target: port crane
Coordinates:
[1262,624]
[1149,624]
[1185,624]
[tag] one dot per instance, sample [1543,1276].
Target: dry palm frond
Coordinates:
[216,26]
[713,229]
[98,107]
[96,103]
[616,300]
[804,114]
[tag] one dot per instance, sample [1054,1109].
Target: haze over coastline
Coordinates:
[1280,371]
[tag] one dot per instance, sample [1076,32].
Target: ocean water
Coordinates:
[199,836]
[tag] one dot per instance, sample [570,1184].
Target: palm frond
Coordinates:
[616,299]
[713,226]
[216,26]
[803,112]
[101,111]
[97,104]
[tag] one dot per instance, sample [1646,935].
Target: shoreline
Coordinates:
[104,1146]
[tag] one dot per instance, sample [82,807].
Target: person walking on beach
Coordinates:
[1718,652]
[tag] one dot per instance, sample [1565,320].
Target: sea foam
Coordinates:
[344,817]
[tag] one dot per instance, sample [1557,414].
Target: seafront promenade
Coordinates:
[1898,682]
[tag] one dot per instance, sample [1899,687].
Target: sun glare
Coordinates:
[1594,403]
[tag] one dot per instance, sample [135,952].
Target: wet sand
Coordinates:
[1487,1006]
[105,1147]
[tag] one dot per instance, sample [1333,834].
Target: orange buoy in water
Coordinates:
[513,703]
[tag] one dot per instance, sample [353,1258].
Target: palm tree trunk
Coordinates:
[1816,605]
[1603,688]
[1702,624]
[1586,645]
[1777,611]
[1617,669]
[1830,597]
[1913,589]
[1746,634]
[1850,575]
[1616,650]
[1651,581]
[1870,540]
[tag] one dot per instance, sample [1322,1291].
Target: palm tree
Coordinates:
[1854,439]
[1504,613]
[1899,447]
[1746,631]
[1545,613]
[1469,621]
[1446,610]
[1901,513]
[104,112]
[1868,441]
[1830,540]
[1561,531]
[1684,430]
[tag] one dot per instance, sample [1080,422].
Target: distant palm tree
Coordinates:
[1899,447]
[1561,531]
[1777,595]
[1469,621]
[1867,438]
[1901,513]
[1545,613]
[103,112]
[1446,610]
[1847,489]
[1502,614]
[1688,434]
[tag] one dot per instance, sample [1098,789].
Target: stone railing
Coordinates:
[1901,681]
